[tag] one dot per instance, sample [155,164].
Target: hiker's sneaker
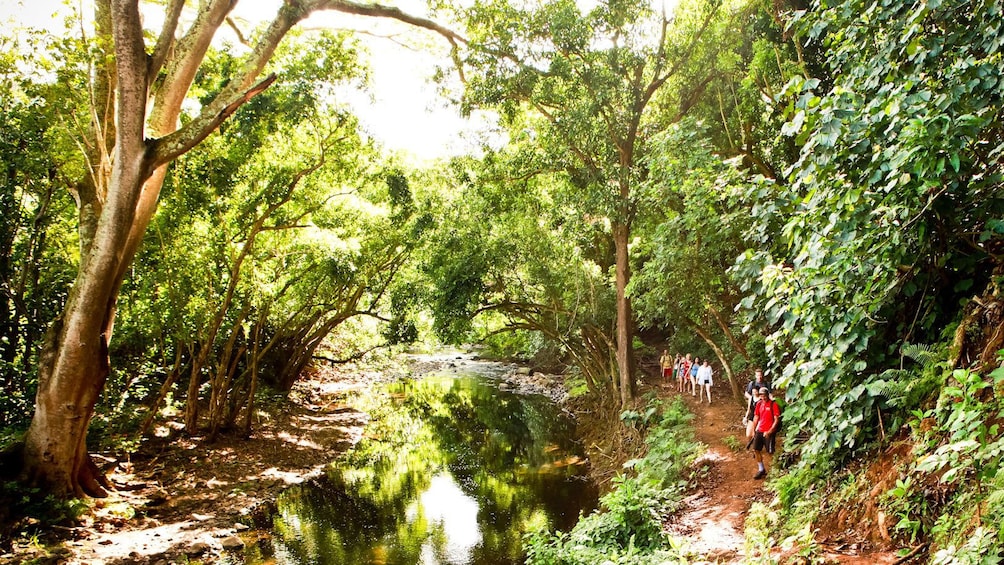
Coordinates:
[759,475]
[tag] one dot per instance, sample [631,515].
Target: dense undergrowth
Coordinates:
[627,528]
[933,488]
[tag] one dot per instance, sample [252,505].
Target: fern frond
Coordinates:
[920,352]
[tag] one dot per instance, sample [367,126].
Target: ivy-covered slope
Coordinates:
[881,291]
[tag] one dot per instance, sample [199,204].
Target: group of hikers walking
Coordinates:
[692,374]
[761,417]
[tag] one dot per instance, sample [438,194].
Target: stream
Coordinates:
[453,469]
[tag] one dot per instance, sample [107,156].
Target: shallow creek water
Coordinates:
[451,470]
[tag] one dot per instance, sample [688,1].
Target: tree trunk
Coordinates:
[254,380]
[74,358]
[30,278]
[165,388]
[736,344]
[726,366]
[222,389]
[70,381]
[625,335]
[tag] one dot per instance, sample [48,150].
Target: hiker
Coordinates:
[766,419]
[665,364]
[693,376]
[684,372]
[750,393]
[705,379]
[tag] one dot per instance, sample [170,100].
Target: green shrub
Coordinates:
[627,528]
[983,547]
[760,523]
[631,516]
[733,443]
[793,486]
[575,383]
[671,447]
[27,511]
[955,493]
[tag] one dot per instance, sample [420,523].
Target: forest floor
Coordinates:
[179,500]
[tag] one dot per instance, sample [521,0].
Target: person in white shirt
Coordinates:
[705,379]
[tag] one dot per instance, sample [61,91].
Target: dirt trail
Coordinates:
[713,515]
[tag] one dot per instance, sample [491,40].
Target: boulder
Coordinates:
[232,543]
[198,548]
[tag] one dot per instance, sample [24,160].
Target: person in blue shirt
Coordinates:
[693,376]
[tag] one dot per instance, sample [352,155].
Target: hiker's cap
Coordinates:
[763,390]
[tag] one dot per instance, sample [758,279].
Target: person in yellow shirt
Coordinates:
[666,363]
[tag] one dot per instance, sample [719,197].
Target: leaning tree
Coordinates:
[138,91]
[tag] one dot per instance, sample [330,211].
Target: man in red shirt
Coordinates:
[766,418]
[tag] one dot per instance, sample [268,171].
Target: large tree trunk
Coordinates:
[115,209]
[74,359]
[625,335]
[70,381]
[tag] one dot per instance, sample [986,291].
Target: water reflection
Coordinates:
[453,513]
[452,471]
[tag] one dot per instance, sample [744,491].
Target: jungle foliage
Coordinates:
[812,188]
[284,225]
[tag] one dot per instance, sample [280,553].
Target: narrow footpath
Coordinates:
[713,516]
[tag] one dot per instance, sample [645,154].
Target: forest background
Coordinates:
[810,187]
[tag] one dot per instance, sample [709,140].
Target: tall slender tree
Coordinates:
[600,83]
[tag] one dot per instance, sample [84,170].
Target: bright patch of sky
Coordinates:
[403,109]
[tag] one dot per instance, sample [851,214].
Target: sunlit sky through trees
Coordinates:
[404,110]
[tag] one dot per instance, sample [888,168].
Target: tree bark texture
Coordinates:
[625,321]
[74,361]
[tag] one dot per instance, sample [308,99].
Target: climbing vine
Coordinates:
[891,214]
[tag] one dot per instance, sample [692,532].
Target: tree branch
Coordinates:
[172,146]
[165,42]
[380,11]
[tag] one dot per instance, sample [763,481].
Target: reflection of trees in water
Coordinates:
[320,523]
[502,451]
